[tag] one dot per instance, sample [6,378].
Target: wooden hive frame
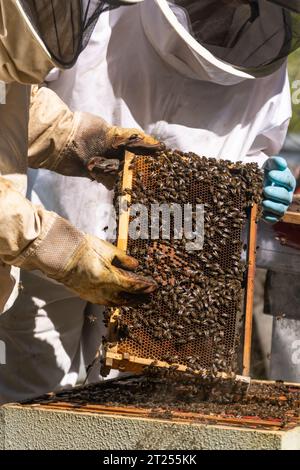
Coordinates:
[113,359]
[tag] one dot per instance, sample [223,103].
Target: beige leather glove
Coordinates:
[97,149]
[101,273]
[35,239]
[94,269]
[79,144]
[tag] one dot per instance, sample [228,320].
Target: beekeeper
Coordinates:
[208,77]
[35,37]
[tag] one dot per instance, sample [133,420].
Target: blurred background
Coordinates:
[262,334]
[292,145]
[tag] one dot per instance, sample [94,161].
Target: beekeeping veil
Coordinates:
[65,26]
[253,36]
[240,38]
[37,35]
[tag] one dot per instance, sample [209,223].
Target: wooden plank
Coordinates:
[125,199]
[137,364]
[292,218]
[175,415]
[274,382]
[249,297]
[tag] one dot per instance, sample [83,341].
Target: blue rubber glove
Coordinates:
[279,186]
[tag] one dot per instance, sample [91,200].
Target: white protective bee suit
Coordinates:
[163,83]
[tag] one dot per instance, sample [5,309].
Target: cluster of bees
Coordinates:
[163,399]
[193,318]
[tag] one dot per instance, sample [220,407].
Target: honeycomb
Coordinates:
[194,319]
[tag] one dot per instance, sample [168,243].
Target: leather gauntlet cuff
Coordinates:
[51,251]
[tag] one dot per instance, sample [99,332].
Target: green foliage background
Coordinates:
[294,73]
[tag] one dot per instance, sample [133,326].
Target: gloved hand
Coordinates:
[279,186]
[92,268]
[97,149]
[33,238]
[102,274]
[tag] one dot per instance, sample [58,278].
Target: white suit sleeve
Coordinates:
[274,121]
[268,144]
[52,126]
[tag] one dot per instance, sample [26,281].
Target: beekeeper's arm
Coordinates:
[35,239]
[78,144]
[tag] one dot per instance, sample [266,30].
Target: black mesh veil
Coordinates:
[253,35]
[65,26]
